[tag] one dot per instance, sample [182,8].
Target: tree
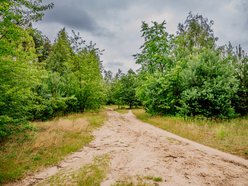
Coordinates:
[159,93]
[23,12]
[125,89]
[197,77]
[210,85]
[91,92]
[43,45]
[195,34]
[57,65]
[18,73]
[155,54]
[109,84]
[61,54]
[240,61]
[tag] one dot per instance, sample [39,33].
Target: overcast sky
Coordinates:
[114,25]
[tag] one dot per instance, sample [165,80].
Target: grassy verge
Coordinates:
[46,144]
[90,174]
[229,136]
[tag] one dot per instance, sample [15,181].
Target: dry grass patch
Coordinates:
[46,144]
[135,181]
[90,174]
[122,111]
[229,136]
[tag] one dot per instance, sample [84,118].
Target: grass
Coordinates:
[130,182]
[121,109]
[155,179]
[90,174]
[46,144]
[139,181]
[229,136]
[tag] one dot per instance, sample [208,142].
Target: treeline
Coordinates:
[40,80]
[186,74]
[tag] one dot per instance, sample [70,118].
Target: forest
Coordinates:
[183,74]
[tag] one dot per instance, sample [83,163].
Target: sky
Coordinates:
[114,25]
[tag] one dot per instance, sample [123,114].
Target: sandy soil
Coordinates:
[138,149]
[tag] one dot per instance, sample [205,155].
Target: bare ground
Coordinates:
[139,150]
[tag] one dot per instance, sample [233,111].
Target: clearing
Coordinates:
[138,152]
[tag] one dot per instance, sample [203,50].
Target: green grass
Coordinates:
[229,136]
[154,178]
[129,183]
[138,182]
[47,144]
[89,175]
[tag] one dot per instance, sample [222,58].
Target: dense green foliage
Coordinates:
[121,90]
[188,74]
[18,72]
[39,80]
[183,74]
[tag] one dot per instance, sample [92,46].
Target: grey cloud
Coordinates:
[119,22]
[80,22]
[114,64]
[75,16]
[245,10]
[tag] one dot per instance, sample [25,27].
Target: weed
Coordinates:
[154,178]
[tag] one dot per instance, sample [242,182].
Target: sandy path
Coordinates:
[139,149]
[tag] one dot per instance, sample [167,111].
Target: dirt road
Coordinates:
[138,149]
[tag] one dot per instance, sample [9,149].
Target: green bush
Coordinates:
[210,86]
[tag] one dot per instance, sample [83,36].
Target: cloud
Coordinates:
[74,15]
[115,64]
[115,25]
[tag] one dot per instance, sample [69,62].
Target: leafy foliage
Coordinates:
[156,48]
[210,85]
[122,89]
[39,80]
[187,74]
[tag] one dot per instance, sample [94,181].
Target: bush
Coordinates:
[9,126]
[210,85]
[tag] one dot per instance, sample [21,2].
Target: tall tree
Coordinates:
[240,62]
[124,89]
[194,34]
[18,74]
[199,78]
[43,45]
[155,52]
[61,54]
